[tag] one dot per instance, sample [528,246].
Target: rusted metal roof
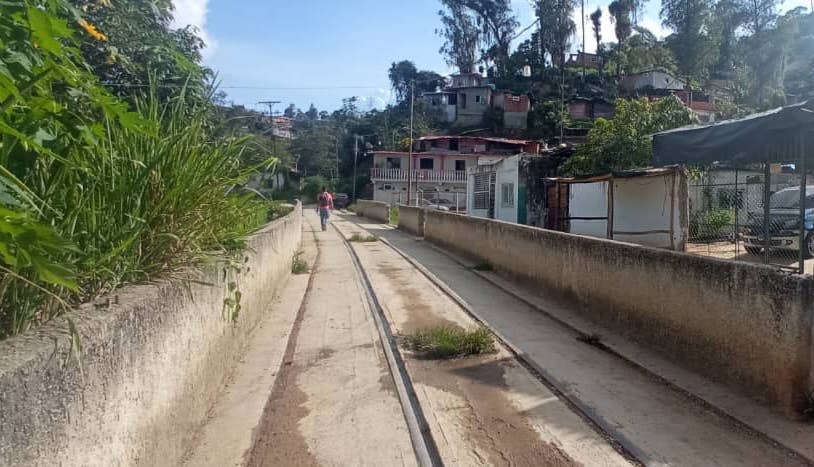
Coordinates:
[479,138]
[638,173]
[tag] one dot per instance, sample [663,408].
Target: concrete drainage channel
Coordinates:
[424,445]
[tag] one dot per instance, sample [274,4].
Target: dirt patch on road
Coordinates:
[499,434]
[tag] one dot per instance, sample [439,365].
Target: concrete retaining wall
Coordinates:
[153,362]
[376,210]
[742,324]
[411,219]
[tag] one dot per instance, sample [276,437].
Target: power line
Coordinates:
[260,88]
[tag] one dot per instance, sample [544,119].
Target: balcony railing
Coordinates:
[398,175]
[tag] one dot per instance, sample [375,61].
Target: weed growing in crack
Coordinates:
[363,238]
[450,341]
[298,265]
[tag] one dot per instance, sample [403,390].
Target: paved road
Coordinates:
[664,426]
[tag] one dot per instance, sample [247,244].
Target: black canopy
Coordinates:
[773,136]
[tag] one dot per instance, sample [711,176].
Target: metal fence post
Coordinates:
[767,188]
[803,193]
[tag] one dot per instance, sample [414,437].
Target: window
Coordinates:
[463,101]
[453,144]
[481,191]
[452,99]
[460,165]
[477,99]
[425,163]
[507,195]
[393,162]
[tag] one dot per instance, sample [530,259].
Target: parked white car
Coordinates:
[439,205]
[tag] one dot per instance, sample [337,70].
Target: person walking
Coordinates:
[325,204]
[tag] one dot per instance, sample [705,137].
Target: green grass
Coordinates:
[357,237]
[136,204]
[483,267]
[394,216]
[299,265]
[450,341]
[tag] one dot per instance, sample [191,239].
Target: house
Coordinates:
[658,84]
[583,59]
[647,207]
[640,84]
[587,108]
[282,127]
[468,98]
[508,189]
[439,166]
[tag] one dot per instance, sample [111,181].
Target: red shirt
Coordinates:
[325,201]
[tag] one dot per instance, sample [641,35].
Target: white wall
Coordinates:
[507,172]
[640,204]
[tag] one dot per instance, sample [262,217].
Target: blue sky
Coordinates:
[319,51]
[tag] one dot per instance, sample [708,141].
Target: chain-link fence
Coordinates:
[453,201]
[752,214]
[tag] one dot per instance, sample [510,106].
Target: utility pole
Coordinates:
[410,151]
[271,119]
[355,155]
[583,40]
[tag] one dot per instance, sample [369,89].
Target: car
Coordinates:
[784,224]
[341,200]
[438,205]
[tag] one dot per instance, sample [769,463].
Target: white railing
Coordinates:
[398,175]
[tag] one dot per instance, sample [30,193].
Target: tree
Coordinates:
[141,48]
[312,114]
[642,52]
[290,111]
[626,141]
[689,42]
[620,16]
[557,27]
[760,14]
[727,18]
[403,73]
[596,25]
[497,29]
[461,36]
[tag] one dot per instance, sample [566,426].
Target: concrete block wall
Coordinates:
[746,325]
[154,358]
[411,219]
[376,210]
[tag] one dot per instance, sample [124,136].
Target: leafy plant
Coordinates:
[450,342]
[626,141]
[299,265]
[712,224]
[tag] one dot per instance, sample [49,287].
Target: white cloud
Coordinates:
[193,13]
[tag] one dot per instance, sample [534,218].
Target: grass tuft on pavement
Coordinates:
[444,342]
[357,237]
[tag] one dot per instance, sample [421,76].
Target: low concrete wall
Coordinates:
[742,324]
[153,362]
[411,219]
[376,210]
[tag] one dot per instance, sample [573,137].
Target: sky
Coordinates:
[321,51]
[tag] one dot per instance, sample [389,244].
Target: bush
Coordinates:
[450,341]
[713,224]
